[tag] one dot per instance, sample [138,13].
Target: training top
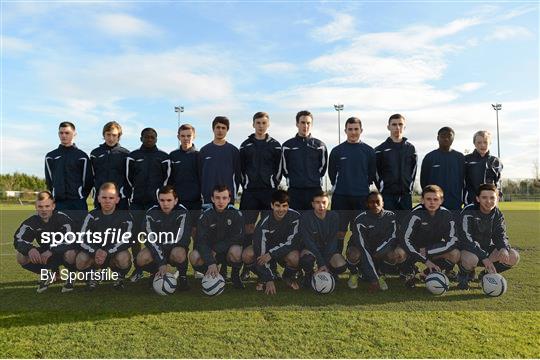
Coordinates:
[479,232]
[218,232]
[185,174]
[109,165]
[480,170]
[119,222]
[320,236]
[445,169]
[396,167]
[277,238]
[147,170]
[304,161]
[260,162]
[32,228]
[437,233]
[157,224]
[68,173]
[219,165]
[352,168]
[371,233]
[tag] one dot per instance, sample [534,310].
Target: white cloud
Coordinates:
[13,45]
[341,27]
[470,86]
[509,32]
[125,25]
[278,67]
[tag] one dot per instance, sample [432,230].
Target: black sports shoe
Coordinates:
[119,283]
[237,281]
[68,286]
[245,273]
[451,275]
[306,282]
[43,285]
[91,285]
[463,281]
[136,276]
[223,271]
[410,281]
[182,283]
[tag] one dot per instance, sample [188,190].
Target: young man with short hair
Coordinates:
[445,167]
[277,238]
[430,235]
[219,162]
[396,166]
[169,218]
[319,229]
[481,167]
[351,170]
[374,243]
[483,237]
[109,164]
[305,159]
[110,251]
[68,174]
[147,170]
[219,237]
[44,256]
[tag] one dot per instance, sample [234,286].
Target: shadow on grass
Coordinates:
[22,306]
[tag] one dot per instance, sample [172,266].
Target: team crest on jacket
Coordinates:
[229,222]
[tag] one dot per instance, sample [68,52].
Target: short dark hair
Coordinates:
[168,189]
[148,129]
[303,113]
[221,120]
[446,129]
[395,117]
[66,124]
[261,114]
[280,196]
[112,125]
[433,189]
[374,193]
[319,193]
[353,120]
[186,127]
[221,188]
[486,187]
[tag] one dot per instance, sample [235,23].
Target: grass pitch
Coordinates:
[347,323]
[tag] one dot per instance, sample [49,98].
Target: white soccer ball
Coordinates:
[437,283]
[323,282]
[164,285]
[213,286]
[494,284]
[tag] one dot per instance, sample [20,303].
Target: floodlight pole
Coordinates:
[497,107]
[178,110]
[339,109]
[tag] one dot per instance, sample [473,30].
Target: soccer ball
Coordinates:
[213,286]
[323,282]
[494,284]
[164,285]
[437,283]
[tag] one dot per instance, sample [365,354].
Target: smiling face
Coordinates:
[488,200]
[279,210]
[304,125]
[66,135]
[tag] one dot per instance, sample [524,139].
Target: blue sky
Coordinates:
[439,64]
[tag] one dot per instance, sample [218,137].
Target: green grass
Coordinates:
[346,323]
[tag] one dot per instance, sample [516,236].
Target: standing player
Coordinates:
[110,252]
[69,175]
[147,170]
[483,237]
[305,160]
[319,230]
[430,235]
[109,164]
[167,218]
[445,167]
[219,162]
[276,237]
[44,256]
[374,243]
[396,166]
[219,237]
[351,171]
[260,163]
[481,167]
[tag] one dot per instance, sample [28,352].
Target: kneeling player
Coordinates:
[430,235]
[276,237]
[167,218]
[44,256]
[373,242]
[319,230]
[219,237]
[109,252]
[483,237]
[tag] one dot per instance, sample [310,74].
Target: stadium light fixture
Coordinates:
[339,109]
[178,110]
[497,107]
